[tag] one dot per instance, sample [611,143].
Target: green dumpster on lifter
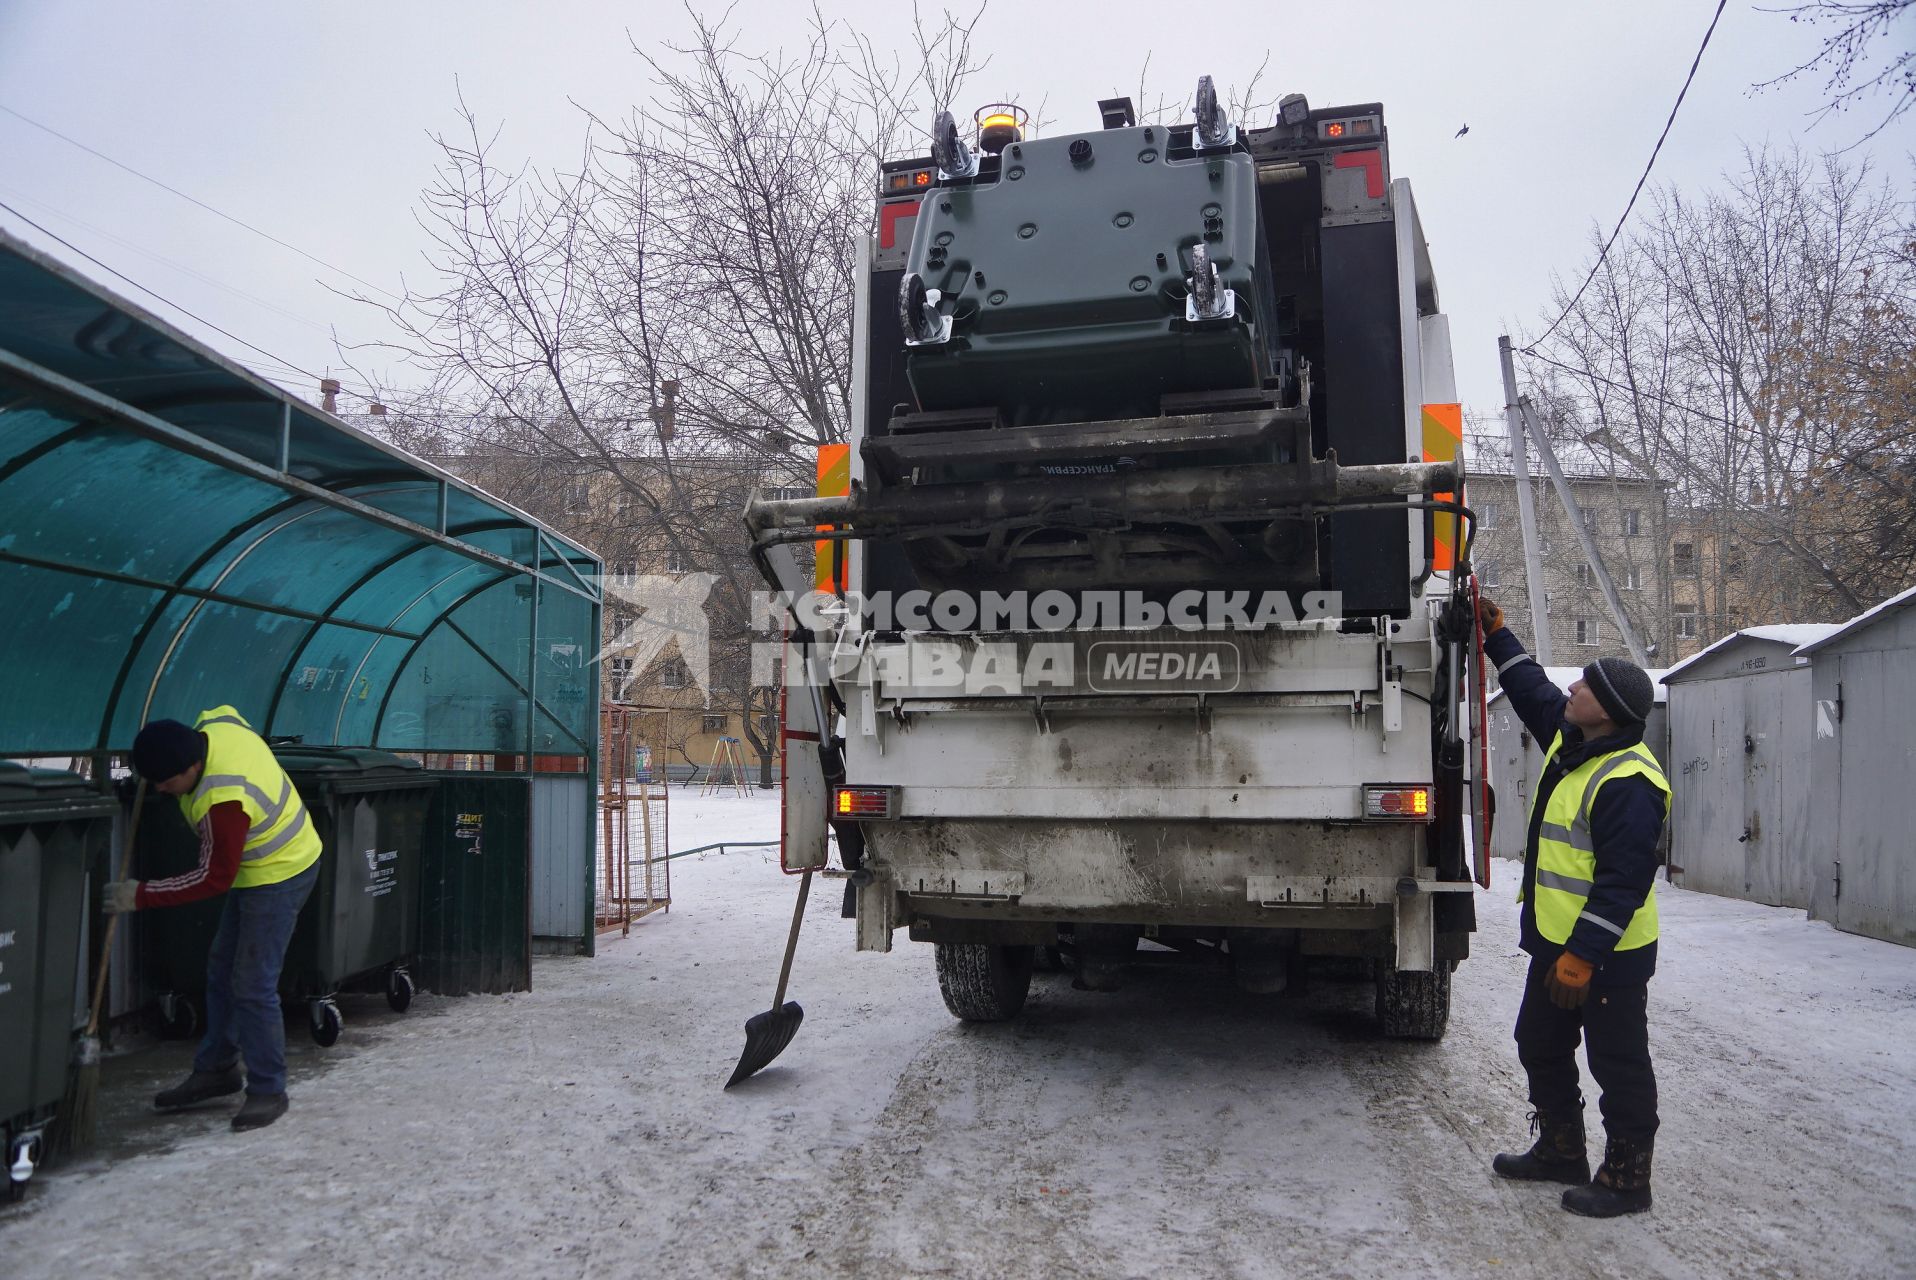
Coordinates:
[52,827]
[362,921]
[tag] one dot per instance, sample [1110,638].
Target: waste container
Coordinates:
[53,825]
[361,921]
[172,942]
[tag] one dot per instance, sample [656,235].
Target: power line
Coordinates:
[238,222]
[163,260]
[280,360]
[1615,231]
[275,368]
[1636,392]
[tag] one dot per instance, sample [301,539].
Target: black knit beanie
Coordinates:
[166,749]
[1622,687]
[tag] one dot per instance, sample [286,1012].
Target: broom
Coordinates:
[80,1108]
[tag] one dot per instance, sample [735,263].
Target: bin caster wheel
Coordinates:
[326,1023]
[399,990]
[179,1017]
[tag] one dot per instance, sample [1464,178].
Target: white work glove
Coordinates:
[118,896]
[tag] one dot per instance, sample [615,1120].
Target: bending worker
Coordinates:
[257,846]
[1589,922]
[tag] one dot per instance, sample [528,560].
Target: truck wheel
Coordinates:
[1414,1006]
[983,982]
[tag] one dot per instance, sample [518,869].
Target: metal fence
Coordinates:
[633,876]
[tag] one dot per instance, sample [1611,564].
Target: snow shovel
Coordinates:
[767,1034]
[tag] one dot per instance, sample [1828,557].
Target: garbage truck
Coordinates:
[1137,621]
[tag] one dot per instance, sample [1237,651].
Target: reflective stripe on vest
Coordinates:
[240,767]
[1566,847]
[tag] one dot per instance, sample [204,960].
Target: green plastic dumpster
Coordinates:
[361,921]
[52,827]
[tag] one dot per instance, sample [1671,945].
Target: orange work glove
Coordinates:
[1568,982]
[1489,614]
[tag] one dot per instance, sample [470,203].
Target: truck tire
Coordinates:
[1414,1006]
[983,982]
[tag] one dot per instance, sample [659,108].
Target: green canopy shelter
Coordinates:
[177,533]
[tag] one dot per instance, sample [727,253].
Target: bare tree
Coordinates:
[1739,349]
[1848,57]
[670,315]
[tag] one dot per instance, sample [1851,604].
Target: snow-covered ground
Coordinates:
[1175,1128]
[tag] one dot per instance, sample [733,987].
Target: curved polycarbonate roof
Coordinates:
[177,534]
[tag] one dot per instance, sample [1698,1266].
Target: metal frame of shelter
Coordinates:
[173,527]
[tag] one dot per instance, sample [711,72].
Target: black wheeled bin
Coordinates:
[361,921]
[53,826]
[173,941]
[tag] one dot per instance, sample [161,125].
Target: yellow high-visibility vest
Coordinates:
[1566,849]
[240,767]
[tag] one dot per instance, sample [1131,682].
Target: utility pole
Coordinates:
[1526,509]
[1584,540]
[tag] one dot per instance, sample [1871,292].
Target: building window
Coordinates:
[1683,557]
[1686,622]
[1633,579]
[789,492]
[677,562]
[714,724]
[1586,576]
[622,504]
[621,669]
[1632,522]
[1587,632]
[1735,618]
[1490,573]
[1733,562]
[1489,514]
[672,675]
[1590,520]
[578,497]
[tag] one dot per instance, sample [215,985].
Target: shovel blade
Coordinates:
[766,1035]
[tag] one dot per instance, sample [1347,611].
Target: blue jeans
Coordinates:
[242,982]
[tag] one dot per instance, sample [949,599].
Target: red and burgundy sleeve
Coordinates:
[222,837]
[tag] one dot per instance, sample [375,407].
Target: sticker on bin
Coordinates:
[382,869]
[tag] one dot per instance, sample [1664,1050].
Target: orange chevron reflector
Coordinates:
[1443,440]
[834,481]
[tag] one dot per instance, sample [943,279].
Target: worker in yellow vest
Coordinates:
[259,848]
[1589,922]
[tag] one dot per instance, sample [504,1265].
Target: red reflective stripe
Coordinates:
[1372,162]
[889,216]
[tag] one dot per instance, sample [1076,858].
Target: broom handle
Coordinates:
[113,921]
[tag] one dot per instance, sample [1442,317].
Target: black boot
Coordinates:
[199,1087]
[260,1110]
[1558,1155]
[1622,1184]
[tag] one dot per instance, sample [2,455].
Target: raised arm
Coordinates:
[1537,702]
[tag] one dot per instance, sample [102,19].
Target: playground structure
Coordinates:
[634,879]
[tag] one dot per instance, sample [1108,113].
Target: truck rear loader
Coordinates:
[1142,616]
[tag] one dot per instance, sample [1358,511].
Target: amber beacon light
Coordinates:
[1000,125]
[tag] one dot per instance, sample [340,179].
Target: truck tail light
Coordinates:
[865,802]
[1396,802]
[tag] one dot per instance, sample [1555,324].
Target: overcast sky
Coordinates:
[312,121]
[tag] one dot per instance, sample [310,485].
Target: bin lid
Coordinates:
[18,782]
[340,763]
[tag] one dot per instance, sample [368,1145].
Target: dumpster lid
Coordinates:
[342,762]
[20,782]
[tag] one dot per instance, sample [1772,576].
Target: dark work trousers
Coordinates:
[243,1021]
[1614,1022]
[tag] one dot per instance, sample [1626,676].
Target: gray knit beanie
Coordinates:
[1622,687]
